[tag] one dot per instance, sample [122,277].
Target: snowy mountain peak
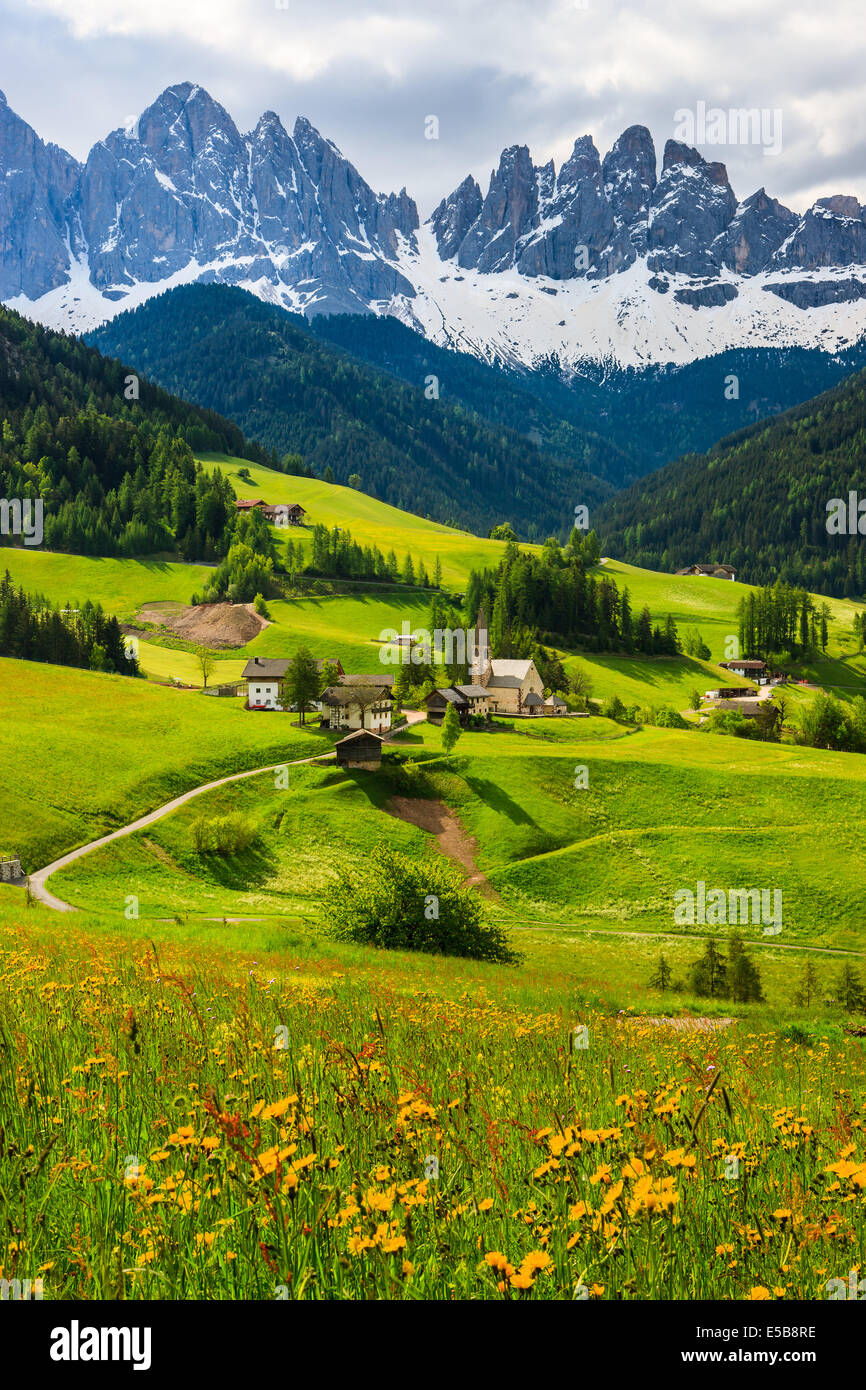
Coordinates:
[604,257]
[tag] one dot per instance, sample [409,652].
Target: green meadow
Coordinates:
[86,752]
[347,626]
[121,586]
[370,522]
[662,809]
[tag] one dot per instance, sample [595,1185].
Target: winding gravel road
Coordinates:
[38,879]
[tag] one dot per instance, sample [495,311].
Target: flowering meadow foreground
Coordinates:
[177,1129]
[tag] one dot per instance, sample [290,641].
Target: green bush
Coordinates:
[613,708]
[225,835]
[401,903]
[667,718]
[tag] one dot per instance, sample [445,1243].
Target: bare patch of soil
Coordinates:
[210,624]
[452,840]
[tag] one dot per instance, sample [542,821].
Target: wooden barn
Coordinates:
[362,749]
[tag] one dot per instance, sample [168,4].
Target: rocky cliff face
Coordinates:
[36,185]
[688,222]
[185,186]
[184,195]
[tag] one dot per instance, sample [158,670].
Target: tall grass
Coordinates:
[177,1129]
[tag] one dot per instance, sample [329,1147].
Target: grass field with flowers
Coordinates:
[185,1122]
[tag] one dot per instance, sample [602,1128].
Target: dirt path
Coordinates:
[686,1025]
[453,842]
[38,879]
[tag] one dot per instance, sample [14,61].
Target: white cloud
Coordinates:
[497,72]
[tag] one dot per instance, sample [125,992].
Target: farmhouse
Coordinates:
[353,705]
[362,750]
[710,571]
[264,677]
[729,692]
[285,514]
[466,699]
[750,708]
[752,668]
[277,513]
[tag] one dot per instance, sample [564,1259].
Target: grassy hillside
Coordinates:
[91,752]
[663,810]
[371,522]
[346,625]
[121,586]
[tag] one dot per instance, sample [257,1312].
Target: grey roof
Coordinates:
[270,669]
[265,668]
[711,569]
[749,707]
[359,733]
[533,699]
[556,700]
[367,680]
[459,694]
[350,695]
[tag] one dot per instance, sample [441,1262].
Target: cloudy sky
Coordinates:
[494,73]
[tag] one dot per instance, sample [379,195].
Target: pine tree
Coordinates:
[625,621]
[302,683]
[661,976]
[744,979]
[809,988]
[708,976]
[849,989]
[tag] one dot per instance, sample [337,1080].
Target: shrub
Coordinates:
[613,708]
[260,606]
[226,835]
[410,779]
[401,903]
[667,718]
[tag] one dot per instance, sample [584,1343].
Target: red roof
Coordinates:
[250,502]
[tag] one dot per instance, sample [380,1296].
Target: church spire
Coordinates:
[481,669]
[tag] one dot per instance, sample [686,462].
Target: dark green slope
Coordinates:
[295,392]
[116,475]
[645,417]
[757,501]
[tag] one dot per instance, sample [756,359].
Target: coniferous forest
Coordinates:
[757,501]
[552,597]
[296,393]
[110,454]
[32,629]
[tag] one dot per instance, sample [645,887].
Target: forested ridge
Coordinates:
[296,393]
[109,453]
[758,501]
